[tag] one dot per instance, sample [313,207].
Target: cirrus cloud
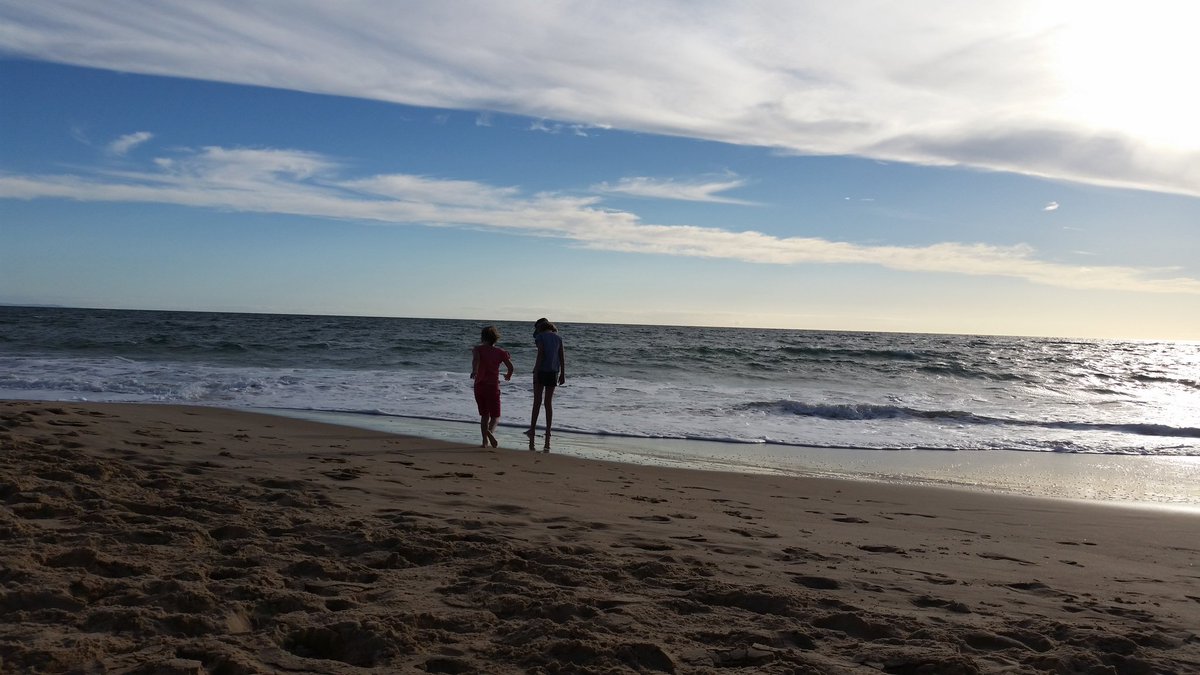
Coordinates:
[669,188]
[124,144]
[308,184]
[1021,86]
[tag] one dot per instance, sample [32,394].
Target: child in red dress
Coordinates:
[485,370]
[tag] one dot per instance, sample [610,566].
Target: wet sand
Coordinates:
[166,539]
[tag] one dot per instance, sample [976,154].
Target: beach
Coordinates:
[142,538]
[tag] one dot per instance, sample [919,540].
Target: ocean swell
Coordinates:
[869,411]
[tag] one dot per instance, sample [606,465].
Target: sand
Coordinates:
[166,539]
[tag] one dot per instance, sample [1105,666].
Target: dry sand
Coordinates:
[156,539]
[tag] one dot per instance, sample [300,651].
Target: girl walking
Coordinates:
[486,358]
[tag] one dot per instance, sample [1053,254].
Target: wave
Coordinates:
[1156,379]
[870,411]
[960,370]
[867,354]
[939,364]
[1034,446]
[230,347]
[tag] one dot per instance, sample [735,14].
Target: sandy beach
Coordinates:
[166,539]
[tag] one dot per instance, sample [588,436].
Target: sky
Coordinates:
[1019,168]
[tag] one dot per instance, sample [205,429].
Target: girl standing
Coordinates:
[549,370]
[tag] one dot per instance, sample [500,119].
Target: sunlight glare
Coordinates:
[1129,66]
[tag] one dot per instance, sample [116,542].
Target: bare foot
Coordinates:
[492,440]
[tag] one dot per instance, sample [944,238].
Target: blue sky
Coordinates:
[928,167]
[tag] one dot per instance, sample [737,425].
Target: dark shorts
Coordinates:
[548,378]
[487,399]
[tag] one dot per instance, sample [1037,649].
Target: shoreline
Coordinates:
[162,538]
[1138,481]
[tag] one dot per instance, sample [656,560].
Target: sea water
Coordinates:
[735,398]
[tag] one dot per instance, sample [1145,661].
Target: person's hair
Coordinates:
[490,335]
[544,324]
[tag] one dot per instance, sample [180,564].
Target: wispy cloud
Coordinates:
[304,183]
[80,134]
[549,127]
[1024,86]
[1052,206]
[669,188]
[124,144]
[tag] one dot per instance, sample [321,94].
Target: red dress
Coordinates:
[487,379]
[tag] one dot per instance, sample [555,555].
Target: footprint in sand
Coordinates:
[997,556]
[949,605]
[817,583]
[754,533]
[794,554]
[883,548]
[644,544]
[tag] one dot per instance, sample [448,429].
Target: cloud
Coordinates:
[80,134]
[1110,159]
[1022,86]
[1052,206]
[304,183]
[685,190]
[548,127]
[124,144]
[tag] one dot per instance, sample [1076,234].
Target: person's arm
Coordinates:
[508,375]
[562,364]
[537,361]
[474,361]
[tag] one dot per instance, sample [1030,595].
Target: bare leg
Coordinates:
[537,407]
[549,412]
[491,438]
[483,430]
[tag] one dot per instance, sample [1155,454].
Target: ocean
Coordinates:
[794,401]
